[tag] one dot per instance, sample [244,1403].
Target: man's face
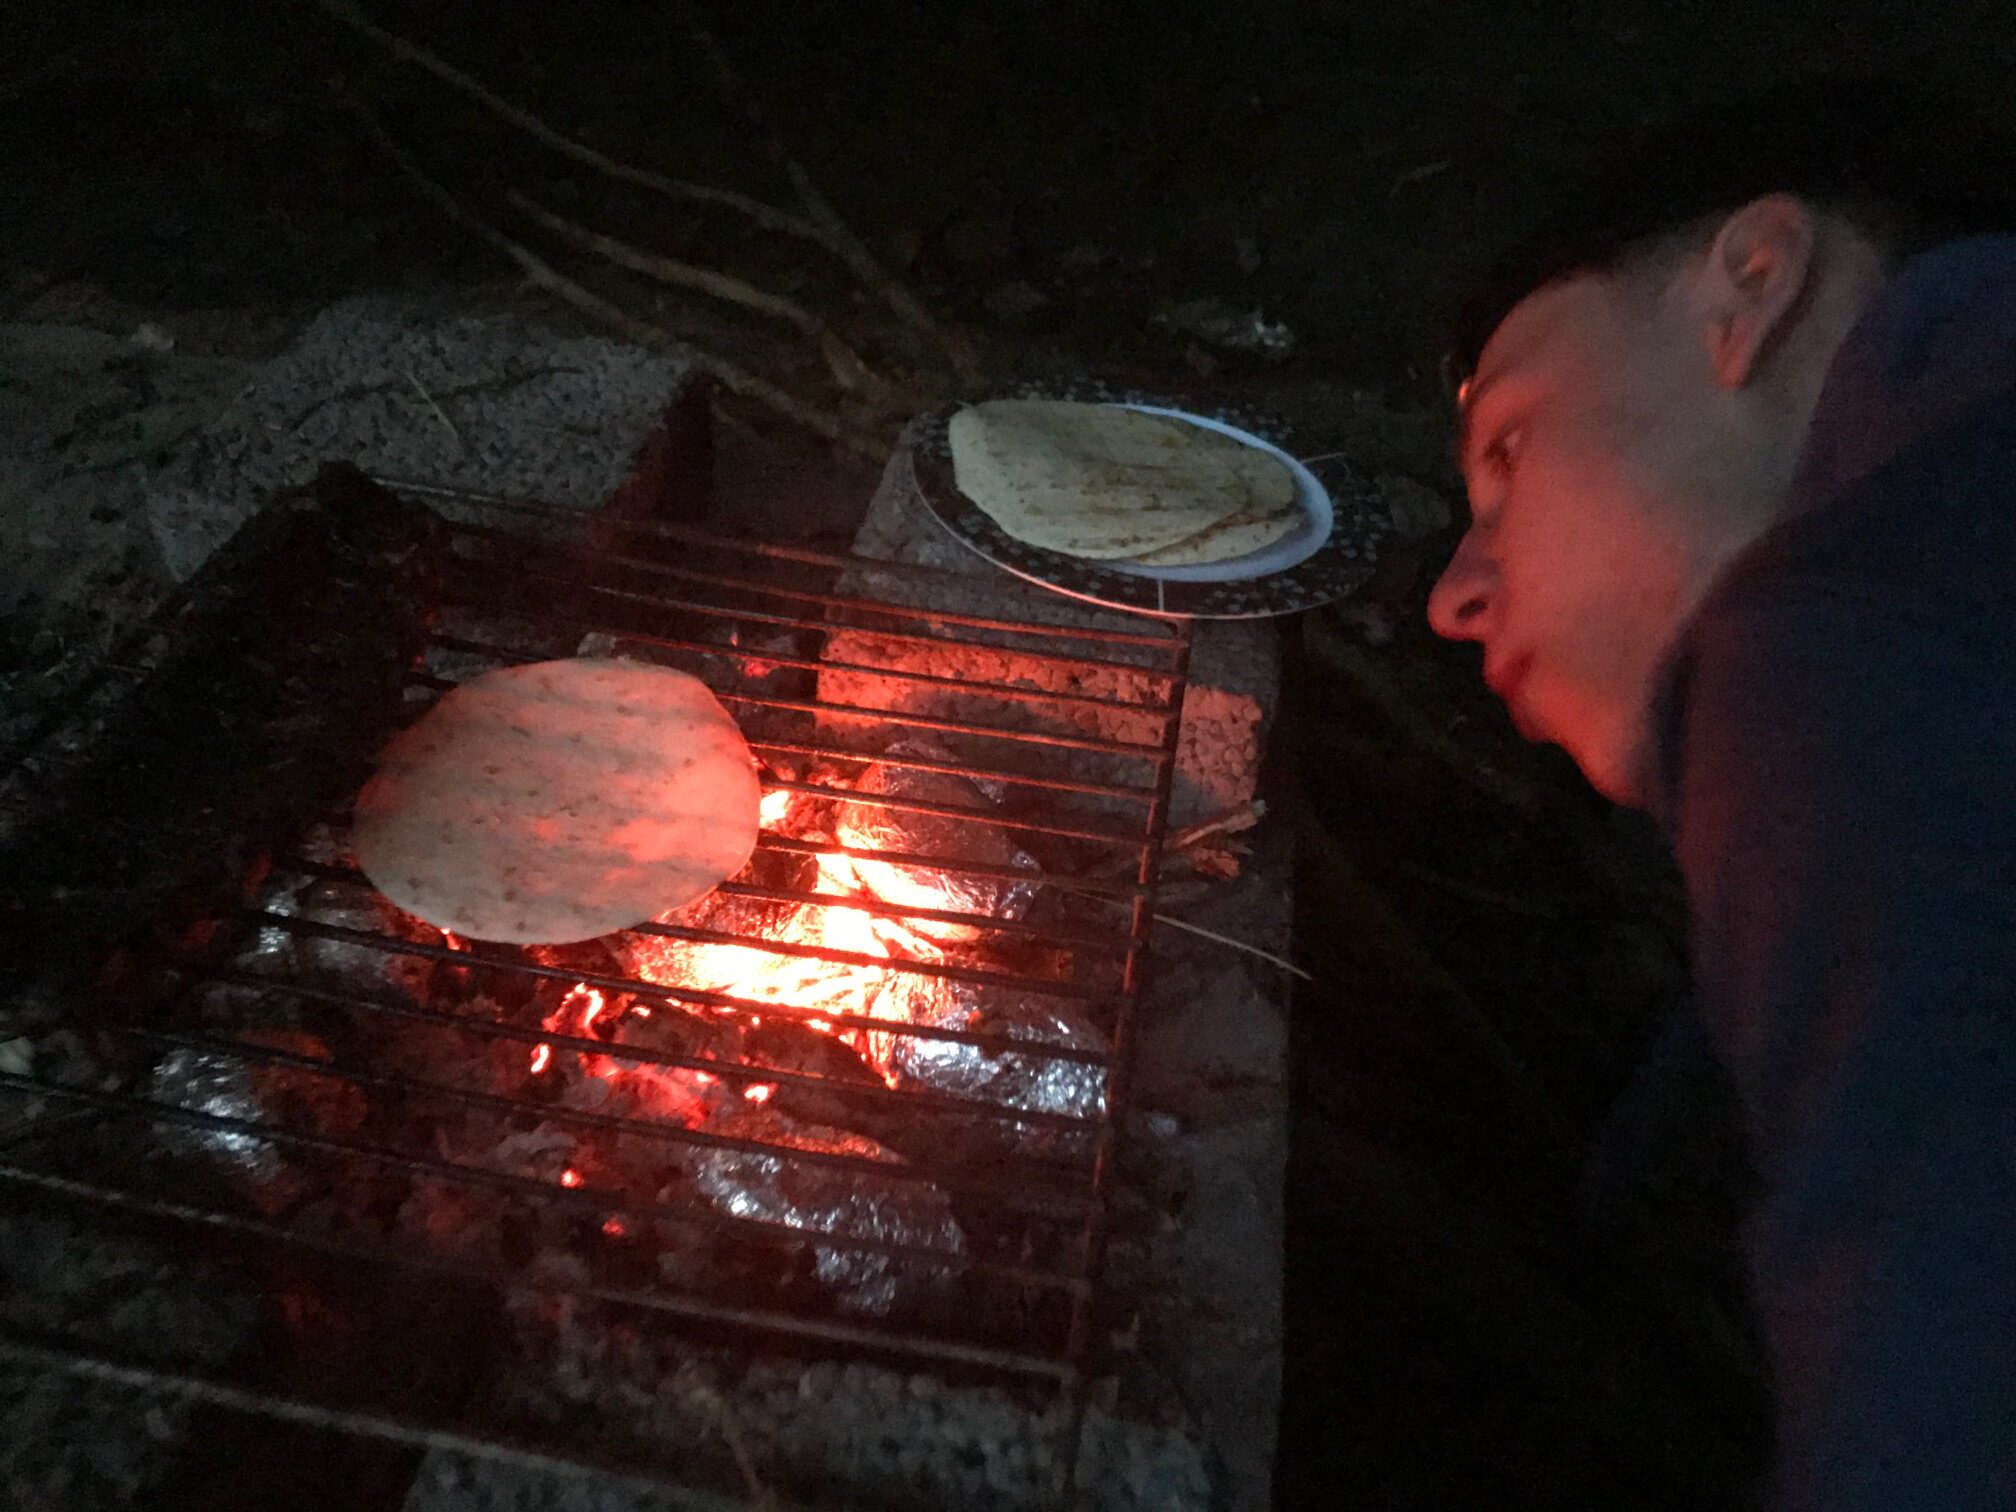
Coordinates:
[1590,443]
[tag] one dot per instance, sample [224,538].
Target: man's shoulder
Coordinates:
[1932,530]
[1851,615]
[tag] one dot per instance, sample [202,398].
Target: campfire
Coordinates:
[860,1097]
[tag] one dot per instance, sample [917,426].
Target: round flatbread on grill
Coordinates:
[559,801]
[1101,481]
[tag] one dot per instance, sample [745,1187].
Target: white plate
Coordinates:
[1301,543]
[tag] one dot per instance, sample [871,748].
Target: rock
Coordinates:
[982,238]
[1218,324]
[1415,509]
[1085,257]
[1016,303]
[480,400]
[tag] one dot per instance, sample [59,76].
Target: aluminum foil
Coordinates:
[255,1093]
[822,1200]
[748,971]
[217,1085]
[1029,1082]
[346,905]
[871,827]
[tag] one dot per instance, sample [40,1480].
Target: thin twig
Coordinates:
[849,371]
[1240,945]
[731,376]
[838,234]
[1232,821]
[440,414]
[767,216]
[700,1388]
[1241,816]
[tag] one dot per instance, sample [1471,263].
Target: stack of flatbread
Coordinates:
[1114,484]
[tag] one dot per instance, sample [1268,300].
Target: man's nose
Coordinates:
[1464,602]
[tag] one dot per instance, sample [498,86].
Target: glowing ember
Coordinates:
[775,807]
[667,1092]
[587,1001]
[614,1227]
[758,1092]
[570,1177]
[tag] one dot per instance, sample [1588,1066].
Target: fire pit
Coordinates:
[857,1105]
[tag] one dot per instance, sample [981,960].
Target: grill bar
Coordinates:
[692,1308]
[736,584]
[895,717]
[956,811]
[1141,928]
[972,975]
[1118,891]
[727,1070]
[1048,1198]
[1007,691]
[561,583]
[1118,790]
[850,902]
[861,903]
[598,1202]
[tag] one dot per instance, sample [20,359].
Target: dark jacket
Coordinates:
[1835,762]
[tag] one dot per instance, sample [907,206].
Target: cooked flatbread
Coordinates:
[1100,481]
[1231,537]
[559,801]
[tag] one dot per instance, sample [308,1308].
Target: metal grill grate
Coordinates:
[339,1063]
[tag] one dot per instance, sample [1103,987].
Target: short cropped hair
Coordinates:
[1906,168]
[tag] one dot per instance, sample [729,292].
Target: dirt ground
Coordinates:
[1494,949]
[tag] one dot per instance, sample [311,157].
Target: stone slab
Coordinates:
[481,400]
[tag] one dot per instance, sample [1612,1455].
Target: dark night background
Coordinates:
[1493,947]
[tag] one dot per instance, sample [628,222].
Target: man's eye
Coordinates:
[1502,452]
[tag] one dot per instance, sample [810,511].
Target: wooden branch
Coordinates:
[769,217]
[730,376]
[838,234]
[848,370]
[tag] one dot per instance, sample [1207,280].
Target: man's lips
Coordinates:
[1505,680]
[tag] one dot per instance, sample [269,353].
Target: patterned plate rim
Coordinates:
[1335,570]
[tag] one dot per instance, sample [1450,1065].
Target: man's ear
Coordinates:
[1757,268]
